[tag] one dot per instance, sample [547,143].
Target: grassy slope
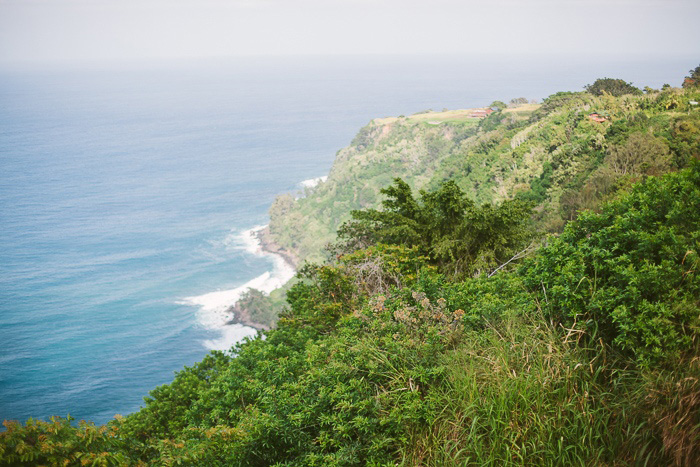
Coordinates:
[550,154]
[409,148]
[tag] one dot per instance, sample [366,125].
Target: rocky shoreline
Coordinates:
[269,246]
[241,315]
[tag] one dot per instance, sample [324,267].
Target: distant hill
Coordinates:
[557,155]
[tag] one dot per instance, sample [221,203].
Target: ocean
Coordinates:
[128,193]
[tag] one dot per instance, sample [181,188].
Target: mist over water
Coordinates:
[127,196]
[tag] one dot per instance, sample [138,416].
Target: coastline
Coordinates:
[242,316]
[267,245]
[261,244]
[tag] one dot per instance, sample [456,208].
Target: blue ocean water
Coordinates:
[125,193]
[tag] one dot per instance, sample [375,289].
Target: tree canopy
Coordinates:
[693,80]
[615,87]
[458,236]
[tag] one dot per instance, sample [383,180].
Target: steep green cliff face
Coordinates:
[411,148]
[570,153]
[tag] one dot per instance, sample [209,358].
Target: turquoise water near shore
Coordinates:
[126,193]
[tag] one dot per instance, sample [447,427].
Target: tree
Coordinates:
[457,236]
[628,274]
[642,154]
[693,80]
[615,87]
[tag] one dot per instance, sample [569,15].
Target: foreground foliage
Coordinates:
[627,274]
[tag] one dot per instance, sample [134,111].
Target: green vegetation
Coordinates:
[586,353]
[259,309]
[443,226]
[626,274]
[614,87]
[411,148]
[552,155]
[445,328]
[258,306]
[693,80]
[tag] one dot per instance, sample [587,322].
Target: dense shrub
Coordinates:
[445,226]
[614,87]
[59,443]
[627,274]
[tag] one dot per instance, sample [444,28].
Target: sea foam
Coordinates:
[312,182]
[214,311]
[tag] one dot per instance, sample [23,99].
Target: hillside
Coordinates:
[409,147]
[555,155]
[587,354]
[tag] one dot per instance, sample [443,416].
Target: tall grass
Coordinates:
[523,393]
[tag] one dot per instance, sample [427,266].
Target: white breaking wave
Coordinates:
[213,312]
[312,182]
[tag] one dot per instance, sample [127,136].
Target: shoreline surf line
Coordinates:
[216,309]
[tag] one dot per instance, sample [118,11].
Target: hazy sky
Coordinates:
[58,30]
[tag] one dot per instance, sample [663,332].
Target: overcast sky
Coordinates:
[79,30]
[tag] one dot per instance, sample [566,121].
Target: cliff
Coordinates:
[412,148]
[554,155]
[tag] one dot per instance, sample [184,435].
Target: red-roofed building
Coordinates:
[597,118]
[481,113]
